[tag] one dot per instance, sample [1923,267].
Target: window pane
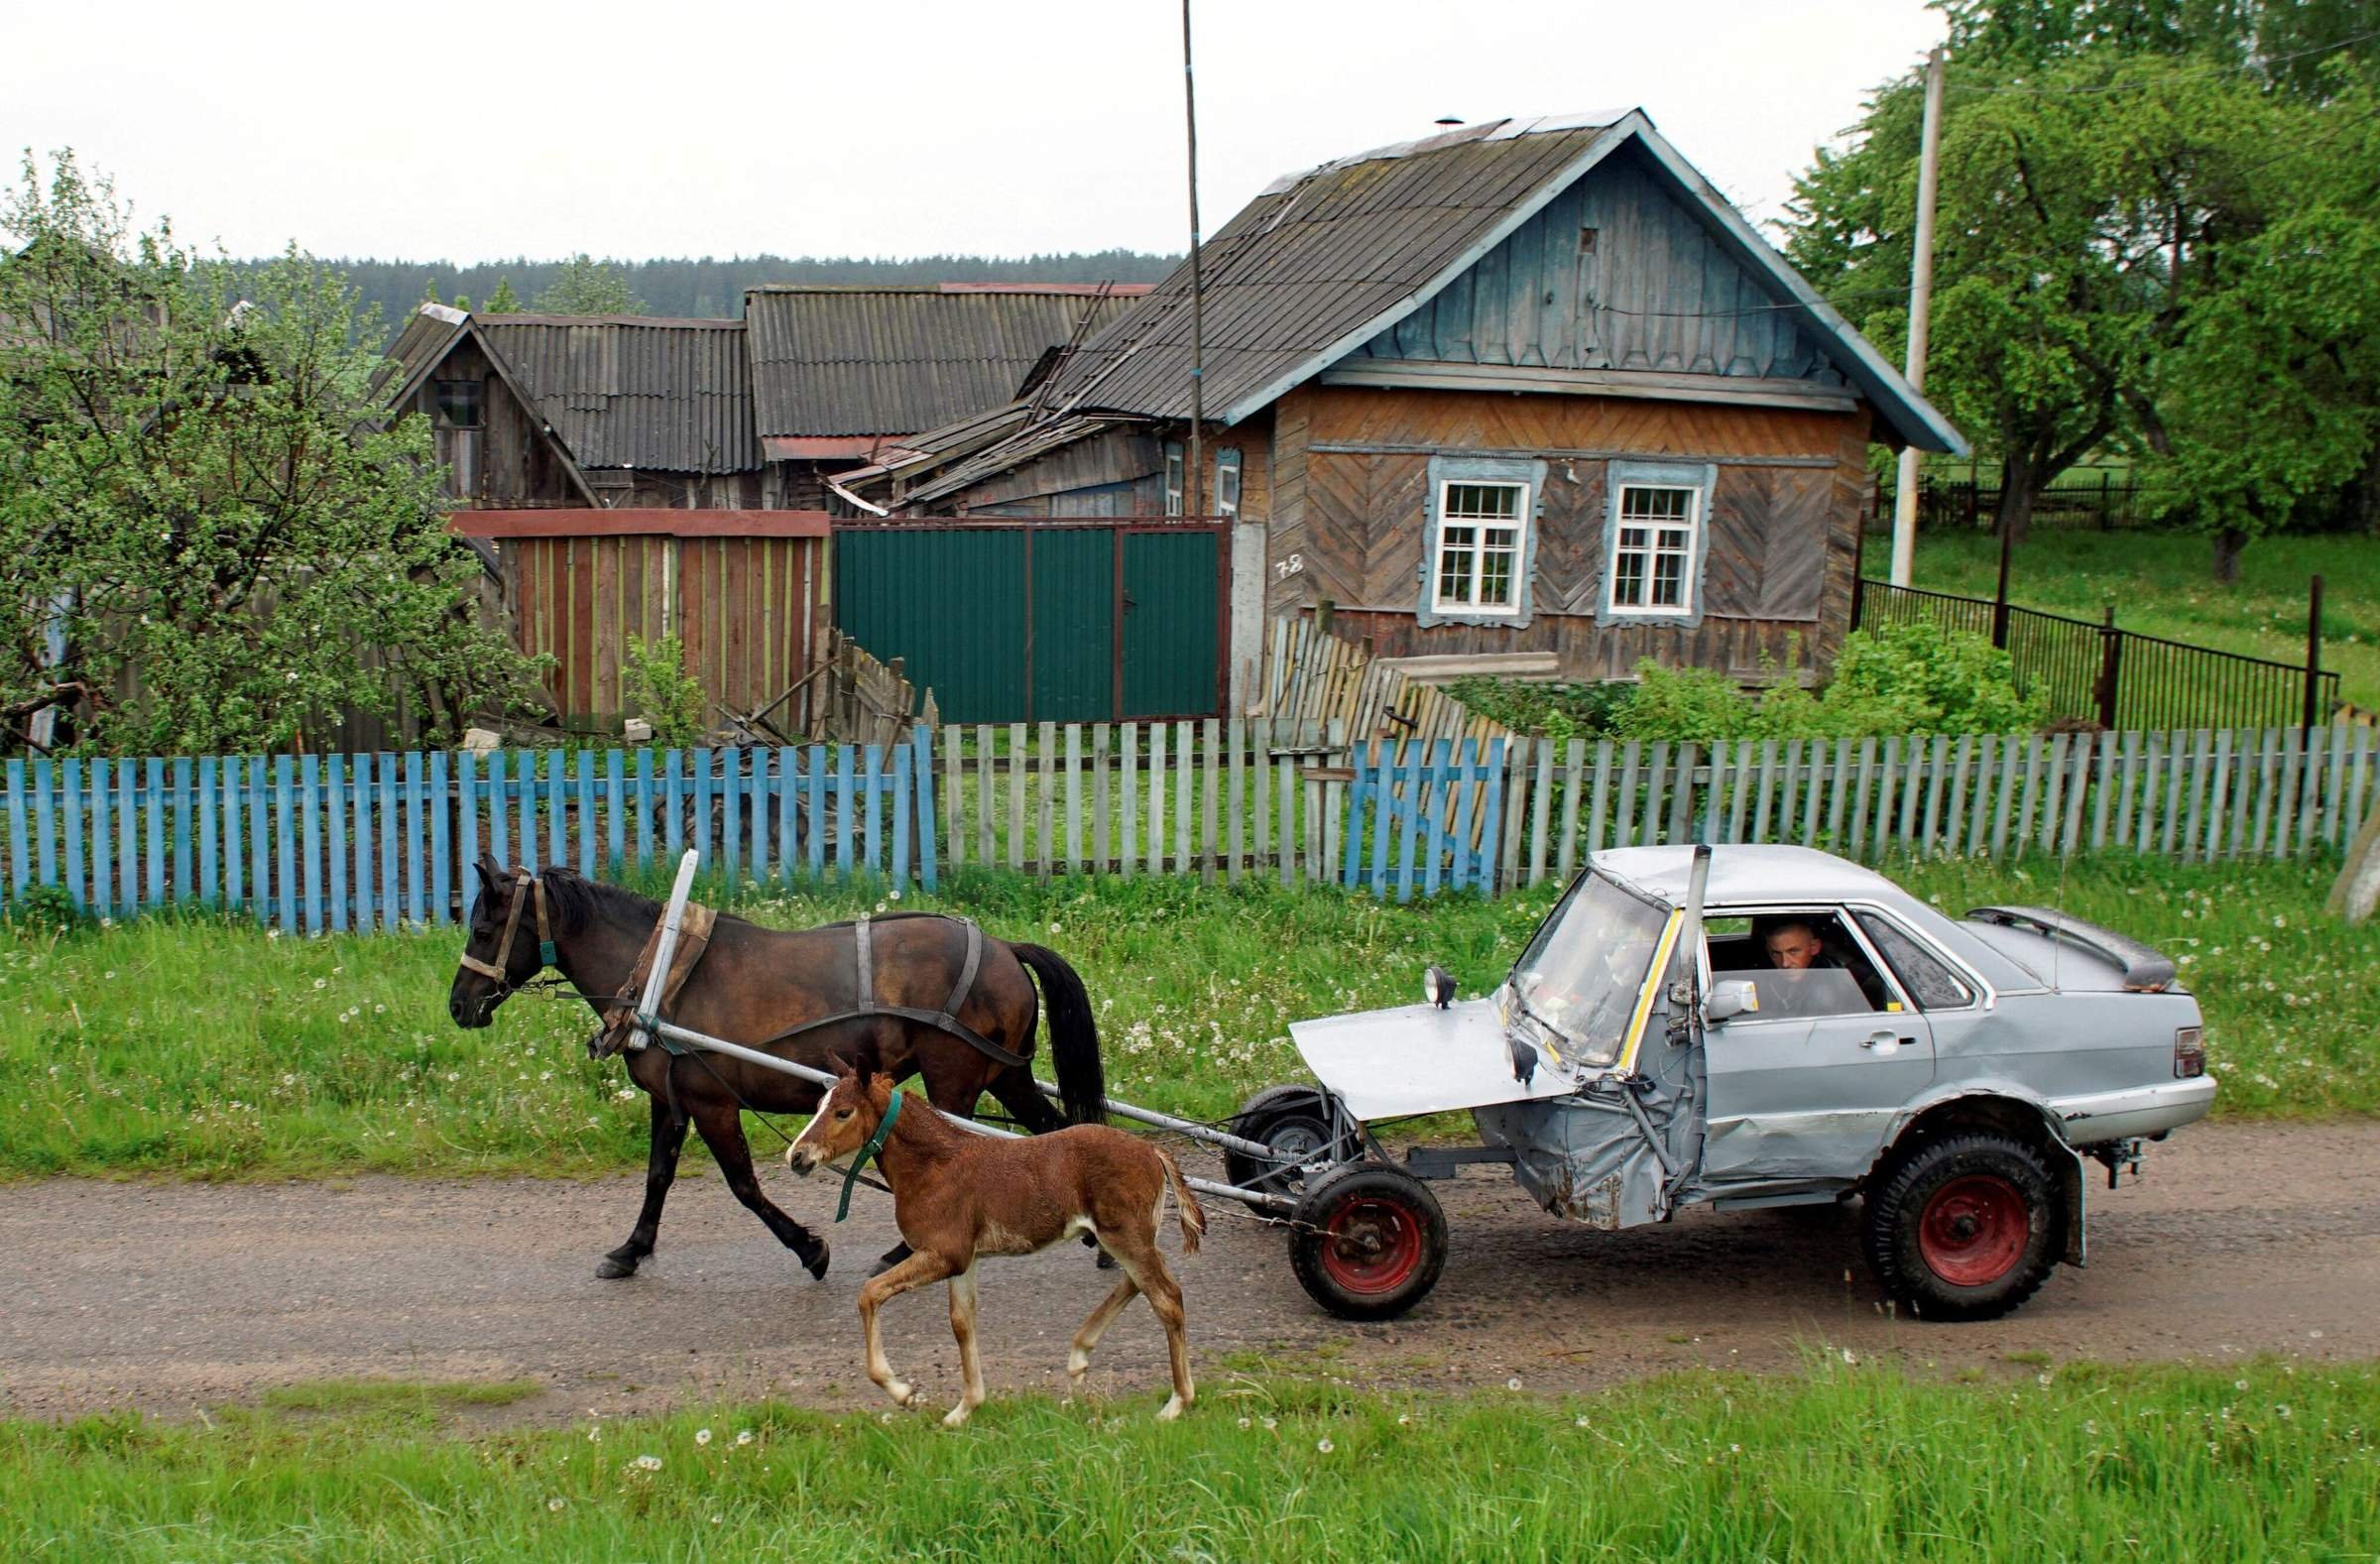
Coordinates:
[1627,580]
[1669,575]
[1496,578]
[459,404]
[1930,983]
[1632,537]
[1484,501]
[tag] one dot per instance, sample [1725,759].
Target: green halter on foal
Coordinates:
[875,1144]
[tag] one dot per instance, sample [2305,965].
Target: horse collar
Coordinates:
[875,1144]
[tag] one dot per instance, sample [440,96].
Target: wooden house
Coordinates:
[1530,397]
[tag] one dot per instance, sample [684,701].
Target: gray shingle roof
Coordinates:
[893,361]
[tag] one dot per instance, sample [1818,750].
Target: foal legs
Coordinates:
[723,1131]
[971,1368]
[1145,1267]
[660,1170]
[1078,1355]
[918,1270]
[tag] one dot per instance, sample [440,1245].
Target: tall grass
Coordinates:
[208,1048]
[1845,1462]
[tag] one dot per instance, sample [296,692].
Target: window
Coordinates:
[1652,549]
[1173,479]
[459,404]
[1929,979]
[1226,482]
[1800,964]
[1479,547]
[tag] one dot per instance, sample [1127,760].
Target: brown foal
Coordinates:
[959,1195]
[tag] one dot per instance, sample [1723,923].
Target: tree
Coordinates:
[586,287]
[503,301]
[2088,205]
[208,526]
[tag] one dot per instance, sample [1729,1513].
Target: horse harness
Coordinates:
[502,965]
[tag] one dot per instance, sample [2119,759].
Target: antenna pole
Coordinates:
[1921,309]
[1191,497]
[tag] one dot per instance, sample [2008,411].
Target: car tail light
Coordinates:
[2190,1052]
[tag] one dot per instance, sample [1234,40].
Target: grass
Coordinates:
[2162,584]
[2273,1461]
[206,1048]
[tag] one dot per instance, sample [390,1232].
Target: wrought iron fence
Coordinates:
[2096,502]
[2118,678]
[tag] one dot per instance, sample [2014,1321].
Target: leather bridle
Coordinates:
[500,968]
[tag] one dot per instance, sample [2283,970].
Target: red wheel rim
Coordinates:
[1974,1229]
[1371,1245]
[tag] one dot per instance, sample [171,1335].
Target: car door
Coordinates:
[1802,1089]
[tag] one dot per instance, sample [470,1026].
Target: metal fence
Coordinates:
[312,843]
[2087,501]
[2117,678]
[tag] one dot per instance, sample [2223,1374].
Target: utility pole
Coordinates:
[1921,311]
[1198,347]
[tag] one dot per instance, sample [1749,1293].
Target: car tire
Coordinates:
[1291,1119]
[1965,1228]
[1368,1241]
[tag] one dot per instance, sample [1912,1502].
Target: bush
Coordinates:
[657,686]
[1901,679]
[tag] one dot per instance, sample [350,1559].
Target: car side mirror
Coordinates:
[1438,986]
[1728,1000]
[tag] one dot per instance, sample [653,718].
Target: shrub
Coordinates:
[657,686]
[1553,712]
[1918,678]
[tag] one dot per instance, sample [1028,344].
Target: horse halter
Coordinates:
[502,965]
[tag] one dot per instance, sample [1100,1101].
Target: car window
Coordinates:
[1931,985]
[1800,964]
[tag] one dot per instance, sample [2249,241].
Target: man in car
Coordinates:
[1794,945]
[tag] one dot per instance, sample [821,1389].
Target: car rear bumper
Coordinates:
[2136,1111]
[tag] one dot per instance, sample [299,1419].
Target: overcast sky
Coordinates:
[903,127]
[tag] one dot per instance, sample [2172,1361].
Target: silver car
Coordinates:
[1745,1026]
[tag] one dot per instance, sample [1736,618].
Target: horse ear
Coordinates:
[490,871]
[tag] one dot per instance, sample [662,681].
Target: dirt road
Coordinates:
[2241,1240]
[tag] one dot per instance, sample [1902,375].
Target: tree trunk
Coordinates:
[2367,493]
[2014,518]
[2229,544]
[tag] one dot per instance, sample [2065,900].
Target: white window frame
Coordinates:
[1688,554]
[1173,478]
[1516,553]
[1226,482]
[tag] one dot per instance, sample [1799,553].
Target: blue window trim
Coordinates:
[1703,478]
[1480,469]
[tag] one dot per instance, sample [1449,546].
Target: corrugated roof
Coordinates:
[852,361]
[1322,261]
[628,391]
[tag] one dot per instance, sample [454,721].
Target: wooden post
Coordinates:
[2313,652]
[1921,299]
[2112,662]
[2000,595]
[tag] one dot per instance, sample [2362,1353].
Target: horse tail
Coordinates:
[1186,1209]
[1073,1035]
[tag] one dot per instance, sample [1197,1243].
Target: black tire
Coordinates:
[1965,1228]
[1291,1119]
[1368,1241]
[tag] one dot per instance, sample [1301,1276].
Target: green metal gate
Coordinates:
[1042,622]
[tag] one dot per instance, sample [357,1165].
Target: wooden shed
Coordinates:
[1529,396]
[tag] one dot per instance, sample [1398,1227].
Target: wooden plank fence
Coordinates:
[312,843]
[1314,677]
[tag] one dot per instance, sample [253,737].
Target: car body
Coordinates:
[1644,1056]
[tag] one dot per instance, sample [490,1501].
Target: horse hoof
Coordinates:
[610,1269]
[1106,1260]
[815,1264]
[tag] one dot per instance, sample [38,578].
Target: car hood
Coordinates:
[1419,1059]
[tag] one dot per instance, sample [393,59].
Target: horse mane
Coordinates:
[573,902]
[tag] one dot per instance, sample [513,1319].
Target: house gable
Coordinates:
[1616,274]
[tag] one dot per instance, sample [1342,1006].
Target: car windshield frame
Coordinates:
[1583,976]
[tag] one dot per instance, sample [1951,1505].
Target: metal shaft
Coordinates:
[1188,1127]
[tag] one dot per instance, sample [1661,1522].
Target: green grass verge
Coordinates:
[207,1048]
[1842,1462]
[2162,584]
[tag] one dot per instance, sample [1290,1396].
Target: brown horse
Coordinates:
[959,1195]
[756,984]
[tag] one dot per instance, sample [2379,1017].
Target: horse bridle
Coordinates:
[500,968]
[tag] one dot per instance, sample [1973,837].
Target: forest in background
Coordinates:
[713,287]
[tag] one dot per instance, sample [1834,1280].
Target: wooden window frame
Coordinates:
[1698,483]
[1174,471]
[1516,553]
[1227,495]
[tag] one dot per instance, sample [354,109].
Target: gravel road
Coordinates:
[2241,1240]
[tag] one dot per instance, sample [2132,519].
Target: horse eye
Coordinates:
[845,1113]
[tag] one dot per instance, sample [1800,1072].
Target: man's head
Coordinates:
[1793,946]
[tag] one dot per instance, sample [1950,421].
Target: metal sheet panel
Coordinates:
[629,391]
[1418,1059]
[950,601]
[1170,623]
[1072,658]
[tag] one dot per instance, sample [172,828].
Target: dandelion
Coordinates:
[321,983]
[1403,1419]
[647,1463]
[1512,1384]
[1323,1445]
[742,1437]
[1053,928]
[1271,1423]
[703,1436]
[2043,1379]
[1245,1423]
[555,1503]
[624,1094]
[1578,1422]
[1849,1358]
[455,1075]
[2282,1410]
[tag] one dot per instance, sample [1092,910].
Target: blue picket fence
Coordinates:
[308,843]
[1426,816]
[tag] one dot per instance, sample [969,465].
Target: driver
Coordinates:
[1795,945]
